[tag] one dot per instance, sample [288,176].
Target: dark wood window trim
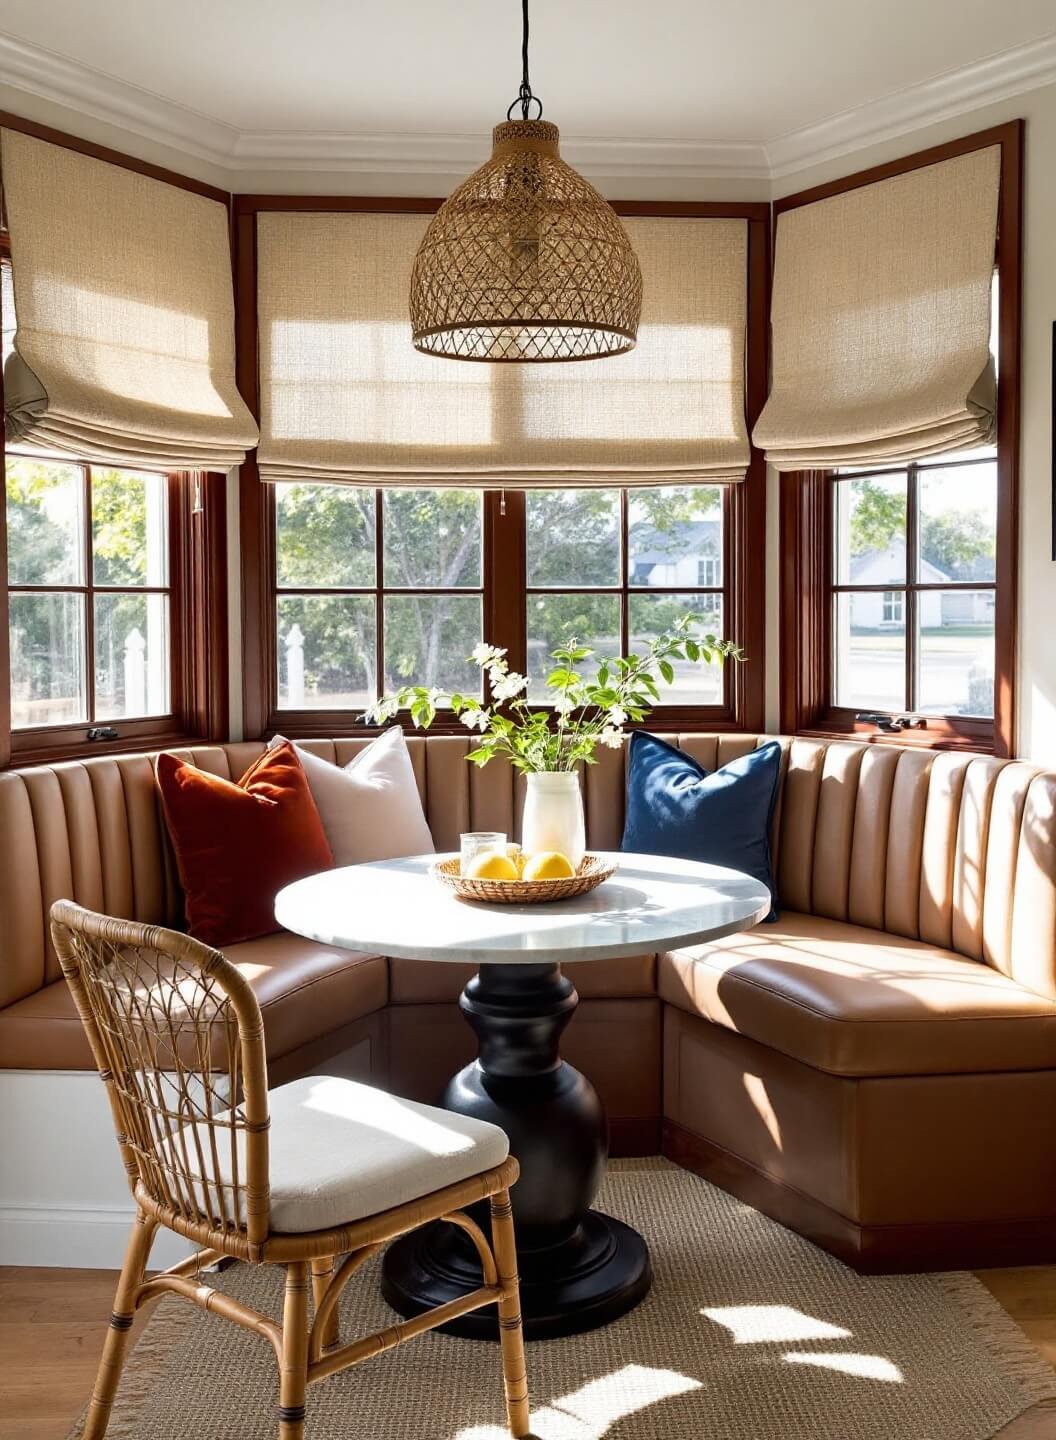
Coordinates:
[504,514]
[197,590]
[805,506]
[198,571]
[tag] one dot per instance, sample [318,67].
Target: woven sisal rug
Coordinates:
[750,1333]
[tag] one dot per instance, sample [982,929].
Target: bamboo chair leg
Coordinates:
[293,1367]
[511,1334]
[115,1346]
[322,1274]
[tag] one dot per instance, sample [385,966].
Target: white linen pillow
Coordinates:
[370,808]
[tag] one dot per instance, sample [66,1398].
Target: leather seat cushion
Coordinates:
[305,991]
[339,1151]
[427,982]
[860,1002]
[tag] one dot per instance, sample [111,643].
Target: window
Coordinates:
[344,597]
[898,581]
[374,588]
[88,593]
[113,587]
[913,599]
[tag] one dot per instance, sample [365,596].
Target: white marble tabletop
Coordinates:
[395,907]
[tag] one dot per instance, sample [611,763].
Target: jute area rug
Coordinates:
[750,1333]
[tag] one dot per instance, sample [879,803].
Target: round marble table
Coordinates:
[578,1267]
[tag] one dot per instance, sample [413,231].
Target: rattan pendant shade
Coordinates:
[525,261]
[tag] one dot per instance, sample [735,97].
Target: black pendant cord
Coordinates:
[524,94]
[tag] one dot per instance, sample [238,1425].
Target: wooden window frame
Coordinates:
[505,589]
[197,572]
[805,583]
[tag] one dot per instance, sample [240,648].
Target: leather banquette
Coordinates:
[877,1069]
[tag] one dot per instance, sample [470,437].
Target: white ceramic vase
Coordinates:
[553,815]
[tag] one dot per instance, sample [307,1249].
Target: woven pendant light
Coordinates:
[525,261]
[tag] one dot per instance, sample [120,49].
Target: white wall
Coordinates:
[1036,667]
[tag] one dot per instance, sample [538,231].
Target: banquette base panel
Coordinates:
[868,1169]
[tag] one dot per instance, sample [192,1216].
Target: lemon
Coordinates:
[492,865]
[548,865]
[517,855]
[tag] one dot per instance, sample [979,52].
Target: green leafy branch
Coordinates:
[586,712]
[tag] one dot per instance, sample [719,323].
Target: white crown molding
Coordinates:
[115,102]
[943,97]
[446,154]
[60,80]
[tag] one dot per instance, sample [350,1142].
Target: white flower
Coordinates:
[564,704]
[475,719]
[484,654]
[617,715]
[612,738]
[508,687]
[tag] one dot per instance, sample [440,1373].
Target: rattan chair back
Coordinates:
[178,1038]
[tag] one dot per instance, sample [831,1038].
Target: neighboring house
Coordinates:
[885,609]
[688,559]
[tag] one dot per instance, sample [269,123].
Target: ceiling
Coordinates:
[753,88]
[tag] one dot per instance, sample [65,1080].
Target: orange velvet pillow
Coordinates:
[237,845]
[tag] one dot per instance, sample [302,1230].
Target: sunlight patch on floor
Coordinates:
[862,1367]
[777,1324]
[589,1412]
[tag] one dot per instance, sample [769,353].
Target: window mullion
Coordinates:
[89,599]
[912,551]
[625,579]
[379,595]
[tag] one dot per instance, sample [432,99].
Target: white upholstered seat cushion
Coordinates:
[340,1151]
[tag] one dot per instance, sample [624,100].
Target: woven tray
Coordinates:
[591,873]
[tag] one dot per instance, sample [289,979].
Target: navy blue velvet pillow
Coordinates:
[676,807]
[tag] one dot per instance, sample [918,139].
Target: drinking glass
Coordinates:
[480,842]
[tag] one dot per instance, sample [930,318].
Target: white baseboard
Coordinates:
[64,1198]
[78,1238]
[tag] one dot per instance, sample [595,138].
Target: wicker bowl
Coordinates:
[593,870]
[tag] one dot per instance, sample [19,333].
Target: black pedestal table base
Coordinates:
[578,1268]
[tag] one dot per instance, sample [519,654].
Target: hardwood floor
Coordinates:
[52,1324]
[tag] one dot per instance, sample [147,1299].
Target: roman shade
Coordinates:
[880,320]
[124,350]
[345,397]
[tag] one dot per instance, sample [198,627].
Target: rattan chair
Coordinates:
[178,1038]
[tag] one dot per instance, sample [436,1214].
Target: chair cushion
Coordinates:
[238,844]
[305,991]
[340,1151]
[428,982]
[854,1001]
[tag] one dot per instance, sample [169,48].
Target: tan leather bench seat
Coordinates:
[422,982]
[303,989]
[858,1002]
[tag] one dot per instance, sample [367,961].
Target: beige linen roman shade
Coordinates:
[346,397]
[880,320]
[124,348]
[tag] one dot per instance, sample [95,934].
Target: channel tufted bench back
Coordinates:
[956,850]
